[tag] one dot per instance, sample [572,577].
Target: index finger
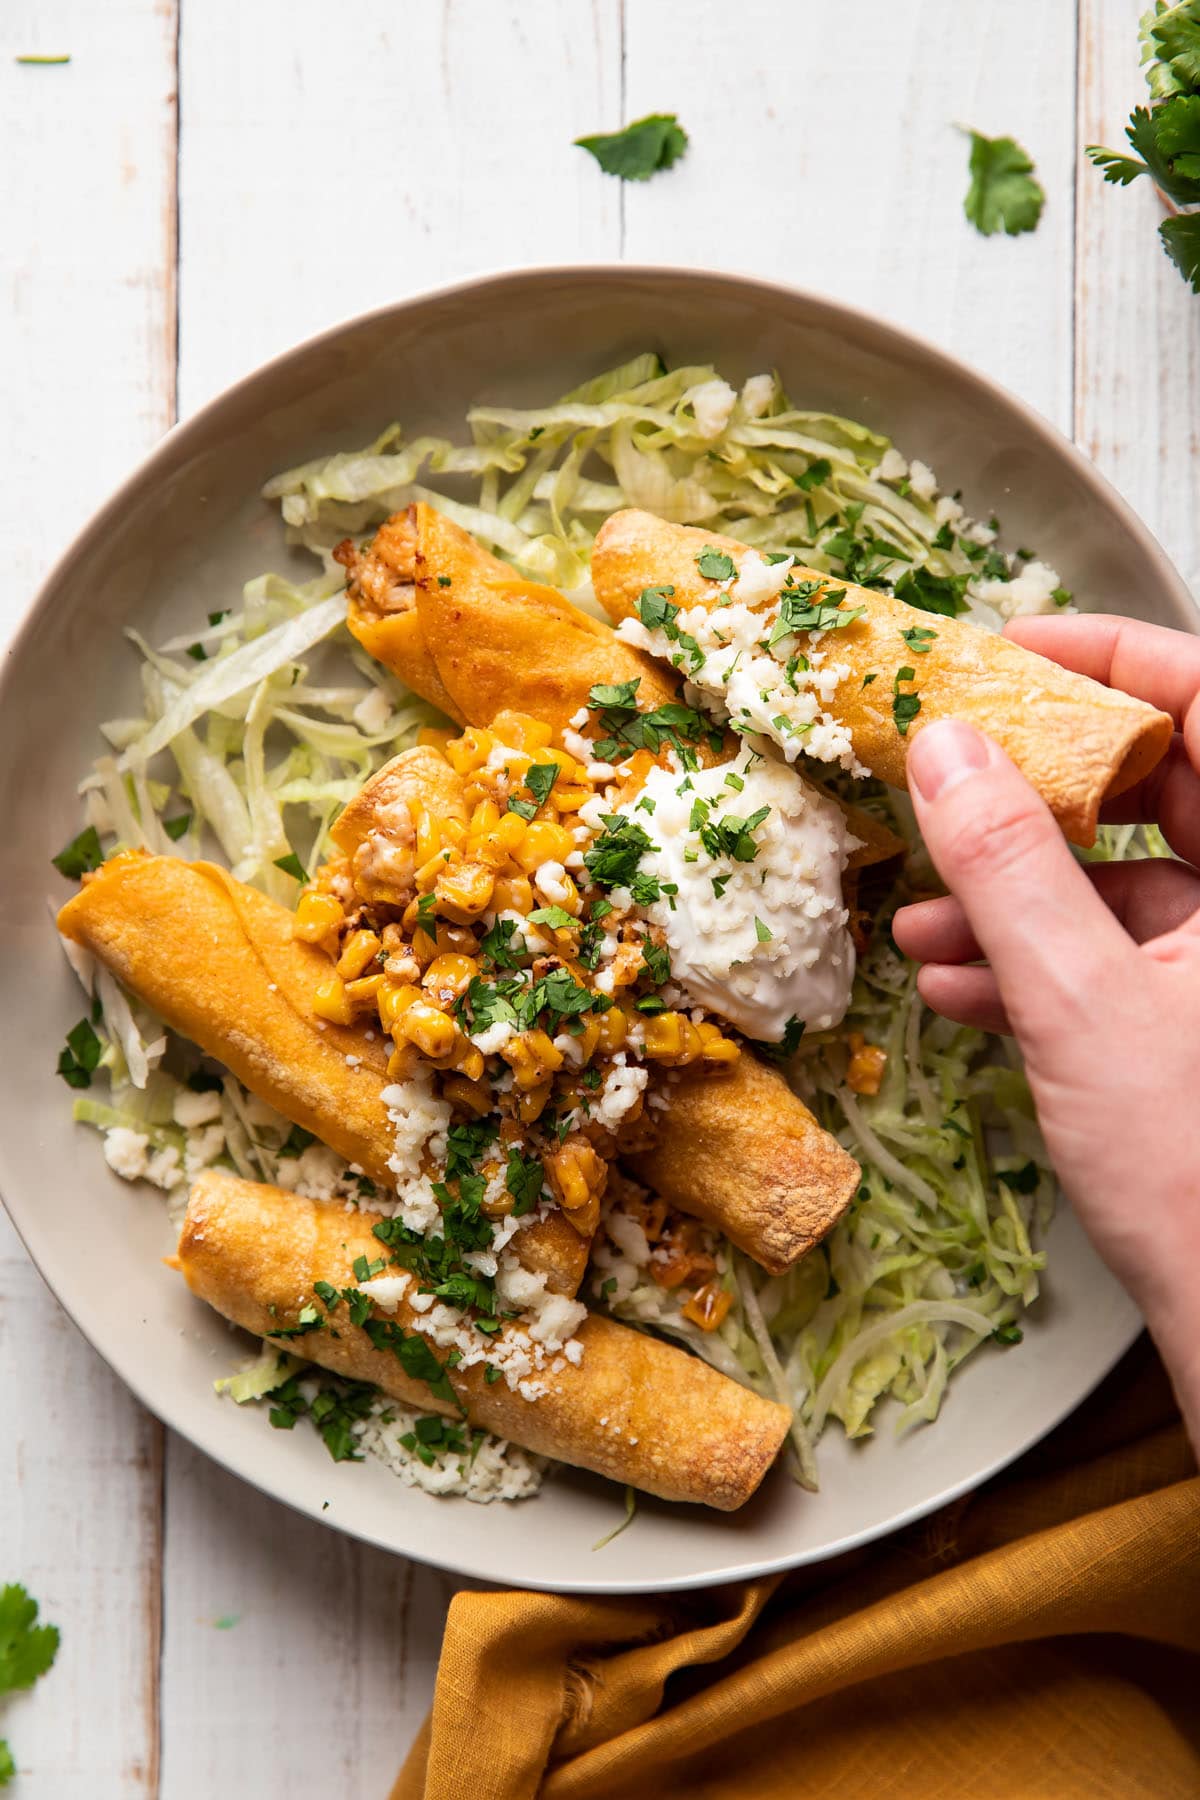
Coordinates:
[1151,662]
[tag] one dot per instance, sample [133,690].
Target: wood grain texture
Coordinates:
[1137,346]
[824,153]
[337,158]
[87,371]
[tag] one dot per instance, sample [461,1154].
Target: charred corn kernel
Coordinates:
[455,940]
[427,874]
[497,1206]
[612,1028]
[544,842]
[464,891]
[424,947]
[429,835]
[316,916]
[404,967]
[664,1035]
[576,1174]
[492,850]
[330,1001]
[470,751]
[586,1218]
[449,975]
[469,1062]
[531,1057]
[454,833]
[867,1063]
[393,1001]
[359,949]
[568,797]
[708,1306]
[485,817]
[469,1096]
[627,964]
[434,737]
[523,732]
[532,1103]
[588,1038]
[714,1047]
[362,993]
[513,893]
[510,830]
[402,1063]
[434,1035]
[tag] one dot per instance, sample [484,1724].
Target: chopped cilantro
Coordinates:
[540,779]
[444,580]
[1003,195]
[296,1141]
[654,607]
[786,1047]
[525,809]
[80,855]
[307,1319]
[905,707]
[614,856]
[640,149]
[869,678]
[27,1649]
[735,782]
[1008,1334]
[656,958]
[733,837]
[715,565]
[197,652]
[806,608]
[1061,596]
[627,729]
[762,932]
[414,1356]
[176,827]
[1023,1180]
[80,1057]
[365,1268]
[496,945]
[816,475]
[524,1178]
[933,593]
[291,865]
[919,638]
[556,917]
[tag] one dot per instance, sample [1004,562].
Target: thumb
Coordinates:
[1052,944]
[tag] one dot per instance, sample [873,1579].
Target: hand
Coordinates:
[1096,971]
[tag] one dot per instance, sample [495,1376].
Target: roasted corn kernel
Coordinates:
[317,915]
[330,1001]
[464,891]
[358,949]
[708,1306]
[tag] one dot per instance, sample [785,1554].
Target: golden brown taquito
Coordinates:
[1075,741]
[217,961]
[634,1409]
[473,637]
[739,1150]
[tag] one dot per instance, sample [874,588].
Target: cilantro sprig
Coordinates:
[1166,134]
[27,1650]
[626,729]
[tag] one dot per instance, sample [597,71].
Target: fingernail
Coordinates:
[946,752]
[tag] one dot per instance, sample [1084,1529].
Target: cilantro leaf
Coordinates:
[8,1767]
[919,638]
[816,475]
[933,593]
[291,865]
[80,1057]
[641,149]
[715,565]
[1181,241]
[27,1649]
[524,1179]
[654,607]
[80,855]
[787,1045]
[176,827]
[614,856]
[1023,1180]
[905,707]
[496,945]
[1176,38]
[556,917]
[1003,195]
[1167,138]
[539,779]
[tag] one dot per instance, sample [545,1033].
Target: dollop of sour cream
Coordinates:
[760,941]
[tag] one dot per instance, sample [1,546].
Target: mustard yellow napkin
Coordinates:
[1036,1640]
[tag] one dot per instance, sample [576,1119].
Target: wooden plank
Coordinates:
[88,378]
[288,1648]
[824,154]
[336,158]
[1137,393]
[361,153]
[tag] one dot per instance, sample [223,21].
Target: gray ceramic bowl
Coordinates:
[178,539]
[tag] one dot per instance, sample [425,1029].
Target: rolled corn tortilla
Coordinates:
[634,1409]
[792,1182]
[482,639]
[217,961]
[1075,741]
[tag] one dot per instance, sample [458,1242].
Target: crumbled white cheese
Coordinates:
[420,1121]
[947,511]
[196,1109]
[623,1087]
[713,403]
[386,1290]
[126,1152]
[493,1039]
[922,481]
[759,582]
[1032,591]
[774,943]
[757,394]
[890,467]
[550,881]
[316,1173]
[751,686]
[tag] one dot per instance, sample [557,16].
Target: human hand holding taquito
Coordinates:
[1096,971]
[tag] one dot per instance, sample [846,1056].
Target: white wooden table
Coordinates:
[210,180]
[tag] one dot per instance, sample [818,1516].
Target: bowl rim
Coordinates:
[171,450]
